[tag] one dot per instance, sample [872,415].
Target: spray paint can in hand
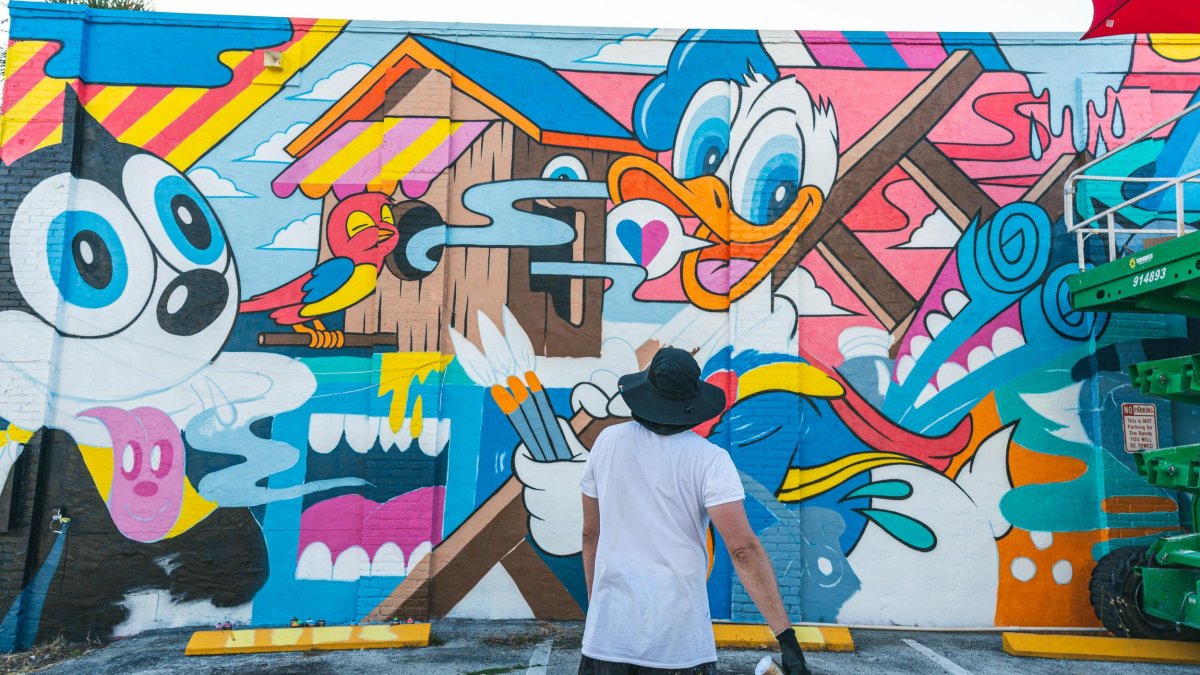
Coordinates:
[768,666]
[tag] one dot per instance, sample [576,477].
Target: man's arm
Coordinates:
[749,559]
[591,535]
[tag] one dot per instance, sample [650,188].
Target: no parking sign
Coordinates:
[1140,421]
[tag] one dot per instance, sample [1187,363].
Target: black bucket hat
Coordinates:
[671,392]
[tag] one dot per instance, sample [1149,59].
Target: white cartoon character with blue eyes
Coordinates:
[121,292]
[753,158]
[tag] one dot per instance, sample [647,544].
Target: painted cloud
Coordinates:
[337,83]
[936,231]
[298,235]
[213,184]
[272,150]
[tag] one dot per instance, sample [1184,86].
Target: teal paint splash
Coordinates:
[906,530]
[1074,505]
[885,489]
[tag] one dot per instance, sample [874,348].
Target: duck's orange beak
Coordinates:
[742,253]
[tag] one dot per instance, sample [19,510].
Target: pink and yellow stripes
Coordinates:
[180,124]
[33,102]
[378,156]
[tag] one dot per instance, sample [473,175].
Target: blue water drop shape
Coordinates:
[1101,146]
[1118,119]
[1035,139]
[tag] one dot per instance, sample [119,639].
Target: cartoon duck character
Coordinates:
[753,158]
[361,235]
[869,509]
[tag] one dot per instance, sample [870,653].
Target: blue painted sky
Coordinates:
[252,222]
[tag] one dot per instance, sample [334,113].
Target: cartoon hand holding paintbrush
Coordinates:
[548,462]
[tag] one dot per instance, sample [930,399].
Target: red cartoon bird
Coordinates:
[361,234]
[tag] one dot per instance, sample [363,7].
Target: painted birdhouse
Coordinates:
[425,125]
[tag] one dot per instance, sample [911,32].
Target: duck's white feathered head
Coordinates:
[753,160]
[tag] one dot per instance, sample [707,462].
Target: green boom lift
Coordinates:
[1153,592]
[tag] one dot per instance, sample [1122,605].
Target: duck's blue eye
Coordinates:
[773,190]
[188,220]
[768,171]
[703,138]
[706,148]
[88,262]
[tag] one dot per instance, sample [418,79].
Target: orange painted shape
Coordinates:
[534,383]
[985,421]
[1138,504]
[1114,533]
[622,145]
[505,400]
[1041,599]
[520,393]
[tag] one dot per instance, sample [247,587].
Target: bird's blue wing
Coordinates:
[327,278]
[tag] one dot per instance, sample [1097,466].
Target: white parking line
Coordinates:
[540,658]
[946,664]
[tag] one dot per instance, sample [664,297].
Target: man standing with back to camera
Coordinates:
[650,488]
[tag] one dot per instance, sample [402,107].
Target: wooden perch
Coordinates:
[352,340]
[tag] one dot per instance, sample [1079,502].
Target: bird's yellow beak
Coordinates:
[384,235]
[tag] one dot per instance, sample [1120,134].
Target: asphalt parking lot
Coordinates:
[524,647]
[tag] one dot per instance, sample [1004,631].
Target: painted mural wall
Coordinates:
[319,319]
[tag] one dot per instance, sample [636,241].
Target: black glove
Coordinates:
[793,656]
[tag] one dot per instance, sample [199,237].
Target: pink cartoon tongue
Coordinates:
[718,276]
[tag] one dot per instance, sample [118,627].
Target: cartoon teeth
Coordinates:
[918,345]
[317,563]
[955,300]
[326,431]
[903,367]
[935,323]
[948,374]
[1004,340]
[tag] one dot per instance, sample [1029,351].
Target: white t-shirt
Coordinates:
[649,604]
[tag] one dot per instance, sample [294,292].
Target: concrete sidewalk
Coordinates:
[525,647]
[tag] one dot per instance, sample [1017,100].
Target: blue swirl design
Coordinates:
[1007,255]
[1047,314]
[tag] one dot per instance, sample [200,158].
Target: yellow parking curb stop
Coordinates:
[759,636]
[1092,648]
[257,640]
